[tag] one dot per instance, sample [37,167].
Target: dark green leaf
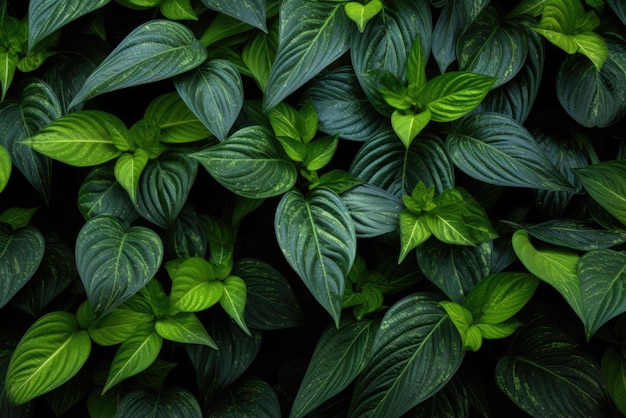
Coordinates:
[186,236]
[374,211]
[548,375]
[614,371]
[340,355]
[17,217]
[305,46]
[578,235]
[115,261]
[156,50]
[451,401]
[317,237]
[415,352]
[214,93]
[618,8]
[249,163]
[604,183]
[178,10]
[166,403]
[66,396]
[248,11]
[249,396]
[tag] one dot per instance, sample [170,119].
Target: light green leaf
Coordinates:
[284,120]
[320,152]
[176,121]
[416,351]
[83,138]
[233,300]
[178,10]
[614,371]
[163,403]
[115,261]
[501,330]
[145,134]
[414,231]
[119,324]
[258,55]
[46,16]
[558,268]
[249,163]
[305,46]
[416,66]
[340,355]
[185,328]
[194,287]
[52,350]
[316,236]
[134,355]
[604,182]
[128,168]
[361,13]
[407,124]
[223,27]
[8,65]
[602,276]
[593,46]
[156,50]
[214,93]
[463,321]
[251,12]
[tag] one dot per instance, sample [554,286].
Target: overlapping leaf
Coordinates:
[373,210]
[176,121]
[248,11]
[171,401]
[604,183]
[250,396]
[578,235]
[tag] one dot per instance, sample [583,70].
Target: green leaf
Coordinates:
[593,46]
[5,167]
[614,372]
[178,10]
[128,168]
[416,66]
[176,121]
[223,27]
[415,352]
[156,50]
[414,231]
[144,134]
[316,236]
[361,13]
[115,261]
[320,152]
[451,401]
[46,16]
[547,374]
[167,402]
[250,396]
[258,55]
[462,319]
[556,267]
[271,303]
[21,252]
[249,163]
[134,355]
[407,124]
[84,138]
[233,300]
[164,186]
[305,46]
[185,328]
[8,65]
[251,12]
[214,93]
[340,355]
[578,235]
[284,120]
[498,297]
[103,405]
[116,326]
[602,276]
[221,239]
[194,287]
[604,183]
[52,350]
[498,150]
[501,330]
[373,210]
[17,217]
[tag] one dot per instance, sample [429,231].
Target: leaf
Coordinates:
[134,355]
[251,12]
[547,374]
[588,95]
[558,268]
[317,237]
[578,235]
[168,402]
[340,355]
[8,65]
[414,231]
[249,396]
[52,350]
[128,168]
[46,16]
[178,10]
[614,372]
[249,163]
[164,186]
[184,328]
[17,217]
[115,261]
[233,300]
[602,276]
[454,269]
[81,139]
[176,121]
[361,13]
[5,167]
[603,182]
[186,236]
[407,124]
[451,401]
[618,8]
[118,325]
[498,150]
[214,93]
[258,56]
[305,46]
[156,50]
[271,303]
[194,287]
[415,352]
[373,210]
[21,252]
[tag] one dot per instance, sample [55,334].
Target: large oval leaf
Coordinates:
[416,351]
[498,150]
[317,237]
[340,355]
[214,93]
[251,12]
[590,96]
[548,375]
[115,261]
[249,397]
[385,162]
[250,163]
[165,403]
[164,186]
[51,351]
[305,46]
[604,183]
[154,51]
[385,44]
[374,211]
[578,235]
[21,253]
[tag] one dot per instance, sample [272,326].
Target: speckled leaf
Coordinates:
[248,397]
[604,182]
[165,403]
[251,12]
[578,235]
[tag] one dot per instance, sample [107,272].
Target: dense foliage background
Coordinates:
[312,208]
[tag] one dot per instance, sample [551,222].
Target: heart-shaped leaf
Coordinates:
[407,124]
[361,13]
[115,261]
[21,252]
[167,402]
[194,285]
[316,235]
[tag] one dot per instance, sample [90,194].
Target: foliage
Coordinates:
[295,208]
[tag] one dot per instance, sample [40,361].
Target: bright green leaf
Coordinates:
[194,287]
[145,134]
[119,324]
[233,300]
[413,232]
[593,46]
[128,168]
[5,167]
[178,10]
[185,328]
[176,121]
[501,330]
[8,65]
[605,184]
[407,124]
[361,13]
[320,152]
[284,121]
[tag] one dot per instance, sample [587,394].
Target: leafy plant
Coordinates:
[297,208]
